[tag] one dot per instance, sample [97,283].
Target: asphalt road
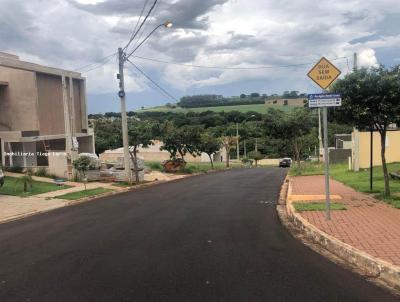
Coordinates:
[208,238]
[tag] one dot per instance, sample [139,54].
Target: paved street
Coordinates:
[213,237]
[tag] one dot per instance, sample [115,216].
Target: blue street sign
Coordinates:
[321,96]
[324,100]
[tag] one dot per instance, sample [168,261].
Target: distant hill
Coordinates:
[260,108]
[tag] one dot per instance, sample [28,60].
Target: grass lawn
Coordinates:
[317,206]
[261,108]
[84,193]
[14,186]
[358,180]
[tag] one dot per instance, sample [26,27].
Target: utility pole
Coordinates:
[355,62]
[237,141]
[256,145]
[319,135]
[326,162]
[371,163]
[245,150]
[121,94]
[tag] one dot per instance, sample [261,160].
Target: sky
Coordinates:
[284,37]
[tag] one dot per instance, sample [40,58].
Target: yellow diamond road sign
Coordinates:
[324,73]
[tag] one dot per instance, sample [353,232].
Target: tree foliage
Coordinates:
[140,133]
[82,165]
[209,144]
[256,156]
[181,141]
[295,128]
[108,134]
[371,98]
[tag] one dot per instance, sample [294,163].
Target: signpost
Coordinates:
[324,100]
[324,73]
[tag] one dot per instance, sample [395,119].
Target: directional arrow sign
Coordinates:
[324,73]
[324,100]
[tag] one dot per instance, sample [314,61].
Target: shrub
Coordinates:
[14,169]
[156,166]
[41,172]
[256,156]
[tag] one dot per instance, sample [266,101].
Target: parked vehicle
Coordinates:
[1,178]
[285,162]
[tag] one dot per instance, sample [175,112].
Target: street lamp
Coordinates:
[167,24]
[122,58]
[244,142]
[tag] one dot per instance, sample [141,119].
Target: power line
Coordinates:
[143,31]
[144,40]
[141,25]
[102,62]
[137,24]
[154,82]
[229,68]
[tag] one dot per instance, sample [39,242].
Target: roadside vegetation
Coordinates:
[84,193]
[371,102]
[192,168]
[359,181]
[15,186]
[317,206]
[259,108]
[275,134]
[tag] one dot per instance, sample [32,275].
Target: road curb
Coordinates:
[371,266]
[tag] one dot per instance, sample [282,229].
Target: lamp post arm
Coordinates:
[144,40]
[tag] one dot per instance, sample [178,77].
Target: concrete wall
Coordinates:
[86,144]
[159,156]
[79,124]
[31,98]
[58,165]
[50,104]
[18,102]
[392,148]
[269,162]
[337,156]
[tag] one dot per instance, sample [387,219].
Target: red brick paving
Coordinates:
[368,225]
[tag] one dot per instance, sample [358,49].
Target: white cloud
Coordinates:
[367,58]
[231,33]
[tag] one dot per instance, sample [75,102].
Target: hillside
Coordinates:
[260,108]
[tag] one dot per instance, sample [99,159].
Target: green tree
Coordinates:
[295,128]
[26,180]
[108,134]
[229,139]
[256,156]
[228,142]
[82,165]
[182,140]
[209,144]
[371,97]
[140,133]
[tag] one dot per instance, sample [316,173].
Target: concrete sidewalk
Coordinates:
[14,207]
[368,224]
